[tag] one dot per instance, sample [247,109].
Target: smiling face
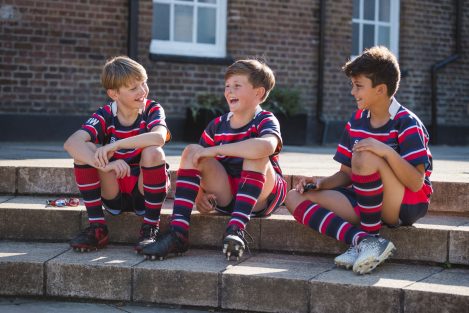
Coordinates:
[364,93]
[241,95]
[131,96]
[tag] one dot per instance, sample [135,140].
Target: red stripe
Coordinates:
[97,186]
[368,193]
[344,152]
[152,206]
[375,210]
[344,230]
[182,203]
[416,155]
[94,203]
[236,222]
[206,138]
[183,184]
[300,210]
[180,224]
[242,198]
[408,132]
[370,229]
[326,223]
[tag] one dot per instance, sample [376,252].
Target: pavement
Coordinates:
[28,305]
[451,163]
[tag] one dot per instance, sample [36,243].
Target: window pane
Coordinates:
[183,23]
[384,10]
[356,8]
[383,36]
[207,24]
[369,10]
[355,39]
[160,29]
[208,1]
[368,36]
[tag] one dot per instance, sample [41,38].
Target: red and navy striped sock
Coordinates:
[369,191]
[187,187]
[89,184]
[327,223]
[154,191]
[250,187]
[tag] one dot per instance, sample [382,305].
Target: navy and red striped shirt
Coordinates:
[219,132]
[404,132]
[104,128]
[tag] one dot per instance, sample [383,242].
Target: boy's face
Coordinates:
[240,94]
[365,95]
[132,96]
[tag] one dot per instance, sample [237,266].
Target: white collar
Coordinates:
[258,110]
[114,108]
[393,109]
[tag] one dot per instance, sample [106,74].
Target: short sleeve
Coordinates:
[155,116]
[207,139]
[413,141]
[343,153]
[268,124]
[95,126]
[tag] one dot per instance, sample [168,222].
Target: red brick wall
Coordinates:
[51,53]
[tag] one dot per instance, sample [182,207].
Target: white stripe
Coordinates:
[370,225]
[182,221]
[89,201]
[246,196]
[405,130]
[187,182]
[368,133]
[237,219]
[240,213]
[153,203]
[368,189]
[154,188]
[324,219]
[340,229]
[149,220]
[369,207]
[88,185]
[306,213]
[96,219]
[354,239]
[413,152]
[345,148]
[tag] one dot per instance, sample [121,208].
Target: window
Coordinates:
[189,28]
[375,22]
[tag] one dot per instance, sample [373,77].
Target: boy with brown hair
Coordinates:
[127,172]
[384,154]
[234,169]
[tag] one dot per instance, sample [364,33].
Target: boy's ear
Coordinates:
[382,89]
[260,92]
[112,93]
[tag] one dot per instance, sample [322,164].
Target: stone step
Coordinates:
[260,282]
[448,198]
[435,238]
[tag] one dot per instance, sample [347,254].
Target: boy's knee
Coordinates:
[363,160]
[152,155]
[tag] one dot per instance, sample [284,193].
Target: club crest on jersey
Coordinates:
[92,121]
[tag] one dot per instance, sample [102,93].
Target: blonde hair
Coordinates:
[120,71]
[259,74]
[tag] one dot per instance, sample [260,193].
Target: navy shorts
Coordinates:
[414,205]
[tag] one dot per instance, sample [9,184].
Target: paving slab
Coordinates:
[191,279]
[271,283]
[46,180]
[450,197]
[8,181]
[459,245]
[341,290]
[22,266]
[28,218]
[446,291]
[104,274]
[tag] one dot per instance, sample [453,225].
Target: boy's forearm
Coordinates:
[339,179]
[155,138]
[255,148]
[80,150]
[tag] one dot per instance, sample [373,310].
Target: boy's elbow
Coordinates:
[417,186]
[67,144]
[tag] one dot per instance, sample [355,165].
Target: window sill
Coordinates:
[228,60]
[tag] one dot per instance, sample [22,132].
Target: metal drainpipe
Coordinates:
[320,99]
[132,30]
[441,64]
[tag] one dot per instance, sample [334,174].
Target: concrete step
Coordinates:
[435,238]
[261,282]
[449,197]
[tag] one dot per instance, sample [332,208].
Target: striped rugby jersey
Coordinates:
[219,132]
[404,132]
[104,127]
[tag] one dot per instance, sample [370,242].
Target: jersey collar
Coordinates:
[393,109]
[258,110]
[114,108]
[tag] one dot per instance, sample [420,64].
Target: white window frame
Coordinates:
[393,25]
[193,49]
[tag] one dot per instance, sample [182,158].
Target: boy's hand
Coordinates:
[103,154]
[203,153]
[300,187]
[372,145]
[205,202]
[120,167]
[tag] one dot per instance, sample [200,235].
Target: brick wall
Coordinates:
[51,53]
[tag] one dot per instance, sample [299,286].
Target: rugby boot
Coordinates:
[234,242]
[91,238]
[148,235]
[170,242]
[348,258]
[372,251]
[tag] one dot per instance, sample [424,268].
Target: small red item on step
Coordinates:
[61,202]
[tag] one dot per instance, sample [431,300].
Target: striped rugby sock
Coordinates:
[369,191]
[327,223]
[154,191]
[250,187]
[89,184]
[187,187]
